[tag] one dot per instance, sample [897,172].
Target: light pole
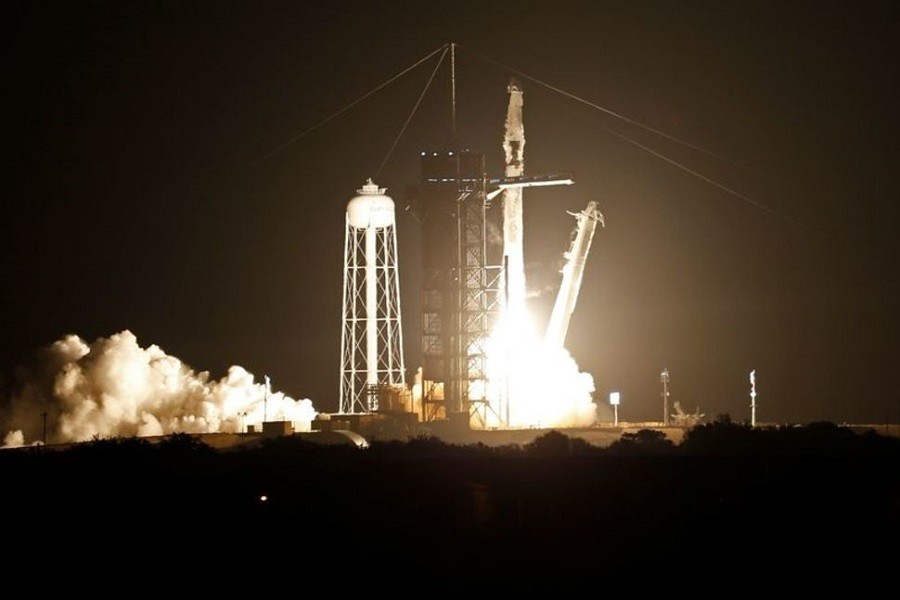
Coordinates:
[753,398]
[664,379]
[614,400]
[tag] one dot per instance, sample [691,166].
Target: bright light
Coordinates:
[533,383]
[614,398]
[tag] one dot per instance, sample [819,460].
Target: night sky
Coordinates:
[172,170]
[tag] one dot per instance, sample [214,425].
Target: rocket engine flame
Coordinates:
[113,387]
[543,384]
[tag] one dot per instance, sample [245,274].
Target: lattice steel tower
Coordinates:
[461,284]
[371,336]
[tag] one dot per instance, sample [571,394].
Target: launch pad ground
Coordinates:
[601,435]
[362,429]
[404,426]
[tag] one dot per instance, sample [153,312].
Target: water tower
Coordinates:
[371,335]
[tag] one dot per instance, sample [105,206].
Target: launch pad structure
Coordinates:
[461,285]
[470,278]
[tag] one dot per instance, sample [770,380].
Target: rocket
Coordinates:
[514,151]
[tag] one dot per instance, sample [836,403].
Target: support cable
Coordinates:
[699,176]
[334,115]
[412,113]
[657,132]
[617,115]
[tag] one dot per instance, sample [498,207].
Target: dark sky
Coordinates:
[149,184]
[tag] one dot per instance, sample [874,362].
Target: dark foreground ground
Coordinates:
[729,510]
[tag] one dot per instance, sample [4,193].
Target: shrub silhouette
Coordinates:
[644,441]
[554,443]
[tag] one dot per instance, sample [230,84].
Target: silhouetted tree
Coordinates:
[554,443]
[111,447]
[722,436]
[644,441]
[183,442]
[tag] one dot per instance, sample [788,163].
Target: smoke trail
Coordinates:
[115,388]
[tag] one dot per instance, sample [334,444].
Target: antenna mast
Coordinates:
[753,398]
[453,141]
[266,399]
[664,379]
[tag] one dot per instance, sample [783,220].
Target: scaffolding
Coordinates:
[461,299]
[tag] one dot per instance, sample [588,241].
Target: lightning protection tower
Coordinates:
[371,336]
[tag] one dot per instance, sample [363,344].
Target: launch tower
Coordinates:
[461,284]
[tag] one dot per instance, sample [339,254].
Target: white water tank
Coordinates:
[371,208]
[371,339]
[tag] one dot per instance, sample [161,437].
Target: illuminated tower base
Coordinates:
[371,336]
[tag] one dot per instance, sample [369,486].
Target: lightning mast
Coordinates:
[461,279]
[664,380]
[753,398]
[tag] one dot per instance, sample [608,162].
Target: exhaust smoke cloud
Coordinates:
[113,387]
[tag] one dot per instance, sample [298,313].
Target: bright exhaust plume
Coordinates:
[543,384]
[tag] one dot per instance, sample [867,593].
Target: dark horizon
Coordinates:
[162,183]
[730,507]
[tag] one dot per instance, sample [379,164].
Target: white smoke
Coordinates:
[115,388]
[14,439]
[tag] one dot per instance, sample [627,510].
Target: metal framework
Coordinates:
[463,274]
[480,306]
[372,337]
[461,287]
[464,286]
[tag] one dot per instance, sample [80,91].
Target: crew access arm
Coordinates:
[573,273]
